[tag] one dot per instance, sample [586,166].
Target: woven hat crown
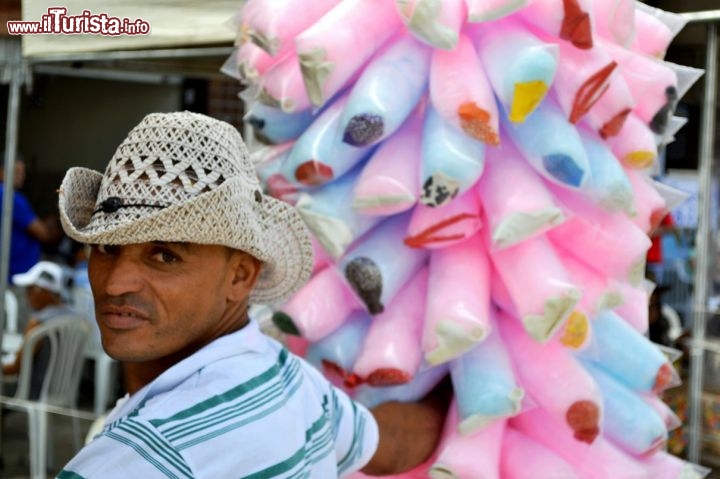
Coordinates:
[170,157]
[186,177]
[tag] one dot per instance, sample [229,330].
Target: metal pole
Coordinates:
[697,348]
[13,109]
[15,69]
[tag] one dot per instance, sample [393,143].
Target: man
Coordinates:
[182,241]
[27,231]
[47,290]
[655,261]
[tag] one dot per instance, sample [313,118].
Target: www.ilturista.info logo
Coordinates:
[57,21]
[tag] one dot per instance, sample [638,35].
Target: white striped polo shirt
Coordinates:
[241,407]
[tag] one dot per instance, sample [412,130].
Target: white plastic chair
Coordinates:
[62,341]
[11,312]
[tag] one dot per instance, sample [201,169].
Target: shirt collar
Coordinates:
[248,339]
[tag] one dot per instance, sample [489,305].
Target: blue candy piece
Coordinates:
[551,144]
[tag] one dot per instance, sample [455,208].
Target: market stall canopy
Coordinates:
[172,24]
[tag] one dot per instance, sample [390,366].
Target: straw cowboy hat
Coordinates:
[186,177]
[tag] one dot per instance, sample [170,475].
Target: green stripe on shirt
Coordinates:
[229,395]
[264,400]
[68,475]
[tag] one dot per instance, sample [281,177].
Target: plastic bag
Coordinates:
[388,358]
[329,214]
[520,67]
[386,92]
[388,182]
[451,161]
[457,314]
[516,203]
[523,456]
[570,20]
[485,386]
[443,226]
[461,93]
[490,10]
[569,394]
[551,145]
[628,421]
[459,453]
[319,307]
[436,22]
[539,287]
[357,26]
[630,357]
[380,263]
[319,154]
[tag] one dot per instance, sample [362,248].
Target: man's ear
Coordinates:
[245,272]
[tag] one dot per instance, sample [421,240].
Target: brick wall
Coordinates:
[223,102]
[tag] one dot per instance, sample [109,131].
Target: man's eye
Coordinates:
[165,257]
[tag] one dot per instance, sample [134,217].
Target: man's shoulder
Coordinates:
[231,401]
[19,198]
[228,403]
[128,446]
[235,381]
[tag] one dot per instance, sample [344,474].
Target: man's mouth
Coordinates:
[121,318]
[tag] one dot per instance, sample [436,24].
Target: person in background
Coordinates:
[655,260]
[27,230]
[658,324]
[47,289]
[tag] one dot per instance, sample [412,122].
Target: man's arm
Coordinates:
[39,230]
[14,367]
[409,432]
[25,218]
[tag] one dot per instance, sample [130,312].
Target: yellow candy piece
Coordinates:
[576,330]
[639,159]
[527,97]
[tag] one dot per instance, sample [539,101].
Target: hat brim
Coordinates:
[24,279]
[262,226]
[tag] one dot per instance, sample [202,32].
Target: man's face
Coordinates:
[18,173]
[163,300]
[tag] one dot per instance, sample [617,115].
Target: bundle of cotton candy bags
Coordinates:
[476,178]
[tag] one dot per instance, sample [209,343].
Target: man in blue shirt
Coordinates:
[28,230]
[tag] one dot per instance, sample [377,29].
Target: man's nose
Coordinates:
[123,276]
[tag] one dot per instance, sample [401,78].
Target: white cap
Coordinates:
[44,274]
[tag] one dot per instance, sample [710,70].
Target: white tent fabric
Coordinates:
[173,23]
